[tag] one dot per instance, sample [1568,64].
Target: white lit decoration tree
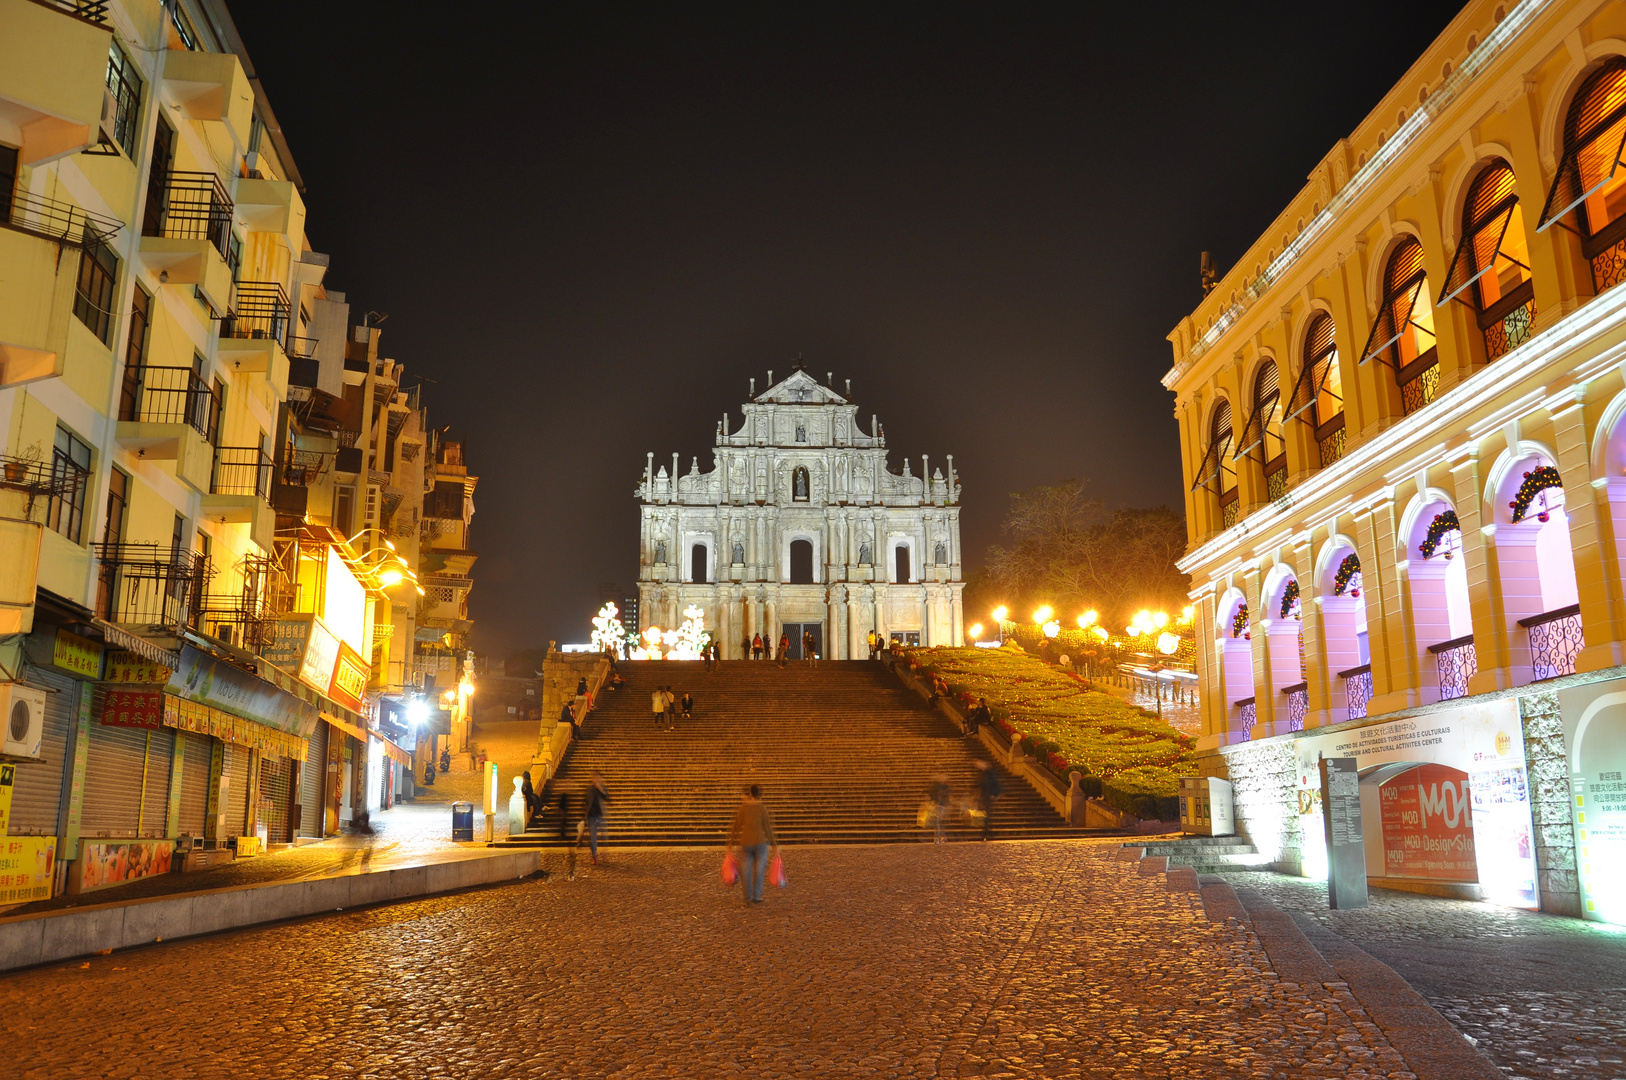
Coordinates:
[607,633]
[684,643]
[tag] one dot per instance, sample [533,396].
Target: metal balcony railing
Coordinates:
[189,206]
[93,10]
[259,311]
[302,468]
[1457,662]
[245,617]
[1357,690]
[1556,639]
[173,395]
[151,584]
[1249,715]
[242,470]
[300,348]
[56,220]
[1298,705]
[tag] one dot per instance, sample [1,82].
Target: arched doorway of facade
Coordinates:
[1281,620]
[1442,627]
[900,557]
[1343,629]
[1536,569]
[1234,644]
[801,562]
[699,572]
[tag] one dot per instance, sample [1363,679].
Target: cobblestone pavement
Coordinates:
[1009,960]
[1543,996]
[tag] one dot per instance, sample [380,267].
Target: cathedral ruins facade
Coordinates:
[799,526]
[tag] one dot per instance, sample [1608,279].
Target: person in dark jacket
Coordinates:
[594,800]
[979,716]
[988,790]
[686,705]
[533,802]
[752,836]
[567,715]
[940,795]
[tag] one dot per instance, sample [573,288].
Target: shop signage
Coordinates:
[350,675]
[78,655]
[303,646]
[134,705]
[8,778]
[1346,841]
[129,667]
[27,868]
[1491,828]
[209,681]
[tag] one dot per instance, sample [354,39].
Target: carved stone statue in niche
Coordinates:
[800,493]
[739,552]
[940,555]
[863,553]
[660,551]
[801,432]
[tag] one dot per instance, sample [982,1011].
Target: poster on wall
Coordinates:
[1428,825]
[27,868]
[1428,822]
[1595,735]
[101,865]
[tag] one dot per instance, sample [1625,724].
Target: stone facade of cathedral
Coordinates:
[800,526]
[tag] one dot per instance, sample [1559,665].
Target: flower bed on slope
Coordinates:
[1067,725]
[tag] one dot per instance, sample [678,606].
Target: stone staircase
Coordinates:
[843,754]
[1206,854]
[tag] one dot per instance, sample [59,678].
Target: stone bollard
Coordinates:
[1016,755]
[1075,799]
[517,808]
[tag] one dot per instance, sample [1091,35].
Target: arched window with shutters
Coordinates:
[1403,335]
[1491,270]
[1216,472]
[1318,396]
[1591,179]
[1262,435]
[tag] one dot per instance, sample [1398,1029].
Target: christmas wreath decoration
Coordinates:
[1239,623]
[1442,524]
[1535,481]
[1346,573]
[1290,596]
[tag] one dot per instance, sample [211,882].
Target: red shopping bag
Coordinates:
[731,873]
[776,871]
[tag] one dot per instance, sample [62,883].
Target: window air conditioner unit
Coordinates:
[110,117]
[24,710]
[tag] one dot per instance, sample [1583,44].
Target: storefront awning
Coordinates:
[358,733]
[324,704]
[393,752]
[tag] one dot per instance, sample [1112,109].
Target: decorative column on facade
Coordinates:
[1485,608]
[1586,504]
[832,644]
[1213,706]
[1317,691]
[1391,643]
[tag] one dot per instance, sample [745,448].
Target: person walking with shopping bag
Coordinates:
[750,841]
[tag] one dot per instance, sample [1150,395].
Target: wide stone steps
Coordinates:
[842,752]
[1208,854]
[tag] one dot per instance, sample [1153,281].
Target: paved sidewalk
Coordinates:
[1544,997]
[1015,959]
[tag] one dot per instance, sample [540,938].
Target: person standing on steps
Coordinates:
[940,795]
[592,822]
[872,639]
[784,649]
[706,653]
[988,790]
[671,709]
[807,648]
[751,838]
[657,705]
[756,647]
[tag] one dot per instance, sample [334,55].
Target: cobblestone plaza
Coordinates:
[1018,959]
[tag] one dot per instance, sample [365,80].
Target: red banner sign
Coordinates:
[1428,825]
[135,706]
[350,675]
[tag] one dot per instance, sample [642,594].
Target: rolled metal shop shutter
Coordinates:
[36,798]
[237,795]
[155,803]
[311,775]
[112,800]
[275,776]
[194,782]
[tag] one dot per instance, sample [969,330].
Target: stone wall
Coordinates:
[560,673]
[1264,779]
[1547,769]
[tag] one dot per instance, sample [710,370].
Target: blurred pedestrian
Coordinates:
[874,643]
[564,816]
[657,705]
[593,815]
[756,647]
[784,648]
[705,654]
[808,646]
[988,789]
[940,795]
[671,709]
[752,838]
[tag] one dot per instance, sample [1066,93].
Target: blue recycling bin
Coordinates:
[462,821]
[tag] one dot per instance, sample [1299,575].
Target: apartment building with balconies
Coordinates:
[1401,424]
[191,636]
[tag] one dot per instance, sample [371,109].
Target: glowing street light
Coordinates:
[1051,628]
[391,578]
[1000,613]
[1088,619]
[1043,615]
[976,631]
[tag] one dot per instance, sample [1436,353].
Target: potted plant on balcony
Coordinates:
[17,468]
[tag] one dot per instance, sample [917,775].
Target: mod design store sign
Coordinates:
[1444,798]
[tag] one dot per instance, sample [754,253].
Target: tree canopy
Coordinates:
[1074,553]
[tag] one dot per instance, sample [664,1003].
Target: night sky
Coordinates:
[591,225]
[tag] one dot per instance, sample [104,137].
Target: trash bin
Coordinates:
[462,821]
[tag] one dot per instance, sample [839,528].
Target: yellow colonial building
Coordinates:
[211,485]
[1403,425]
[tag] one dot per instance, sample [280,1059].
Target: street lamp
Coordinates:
[1000,614]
